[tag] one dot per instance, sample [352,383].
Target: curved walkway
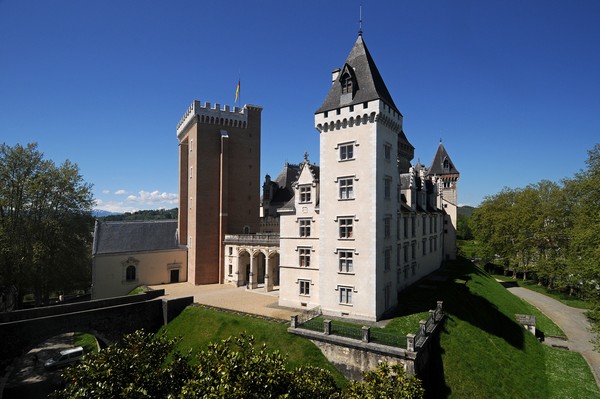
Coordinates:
[571,320]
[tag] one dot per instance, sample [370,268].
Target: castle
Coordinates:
[347,235]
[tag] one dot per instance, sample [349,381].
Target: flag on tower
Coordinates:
[237,92]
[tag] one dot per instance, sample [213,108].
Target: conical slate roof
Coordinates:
[437,165]
[370,85]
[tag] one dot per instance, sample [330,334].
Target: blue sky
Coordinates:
[512,87]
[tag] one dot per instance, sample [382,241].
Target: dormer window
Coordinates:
[446,165]
[347,84]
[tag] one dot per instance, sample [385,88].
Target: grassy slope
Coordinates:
[198,326]
[487,354]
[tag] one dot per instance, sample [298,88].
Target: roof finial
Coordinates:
[360,22]
[306,156]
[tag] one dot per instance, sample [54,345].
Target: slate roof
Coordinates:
[437,165]
[138,236]
[370,85]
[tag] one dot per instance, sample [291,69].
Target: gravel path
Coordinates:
[225,296]
[571,320]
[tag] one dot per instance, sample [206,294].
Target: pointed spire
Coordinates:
[442,164]
[360,31]
[369,83]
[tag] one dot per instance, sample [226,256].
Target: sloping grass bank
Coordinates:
[484,352]
[198,326]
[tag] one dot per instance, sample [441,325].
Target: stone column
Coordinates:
[268,274]
[294,321]
[253,273]
[327,327]
[410,342]
[366,334]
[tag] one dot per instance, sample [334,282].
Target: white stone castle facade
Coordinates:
[347,235]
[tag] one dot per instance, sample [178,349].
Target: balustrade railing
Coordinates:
[412,342]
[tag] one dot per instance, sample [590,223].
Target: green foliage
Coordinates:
[386,382]
[548,232]
[45,224]
[87,341]
[147,366]
[136,369]
[152,214]
[463,229]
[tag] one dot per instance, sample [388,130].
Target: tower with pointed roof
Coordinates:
[444,171]
[362,150]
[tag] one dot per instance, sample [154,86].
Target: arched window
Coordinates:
[130,273]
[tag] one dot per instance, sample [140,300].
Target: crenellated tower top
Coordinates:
[215,115]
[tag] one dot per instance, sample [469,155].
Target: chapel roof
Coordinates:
[370,85]
[135,236]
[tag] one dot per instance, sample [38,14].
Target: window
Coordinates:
[413,268]
[424,224]
[304,257]
[345,225]
[130,273]
[414,226]
[345,295]
[230,251]
[304,227]
[405,227]
[346,84]
[387,259]
[388,187]
[345,261]
[304,287]
[424,247]
[387,151]
[346,152]
[405,252]
[304,194]
[413,250]
[387,227]
[346,186]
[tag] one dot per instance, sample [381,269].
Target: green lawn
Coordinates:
[556,294]
[198,326]
[484,352]
[87,341]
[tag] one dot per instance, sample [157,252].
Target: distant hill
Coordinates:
[99,213]
[152,214]
[466,210]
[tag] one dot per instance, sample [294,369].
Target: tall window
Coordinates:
[413,250]
[346,186]
[414,226]
[424,246]
[304,227]
[346,151]
[304,287]
[346,295]
[130,273]
[388,187]
[345,225]
[345,261]
[405,252]
[387,227]
[304,257]
[387,258]
[346,84]
[424,224]
[304,194]
[387,151]
[405,219]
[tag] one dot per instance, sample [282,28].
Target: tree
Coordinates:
[45,224]
[147,366]
[386,382]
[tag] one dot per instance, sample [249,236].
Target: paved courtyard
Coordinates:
[234,298]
